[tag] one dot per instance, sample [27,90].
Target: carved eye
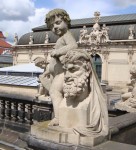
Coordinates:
[58,22]
[72,69]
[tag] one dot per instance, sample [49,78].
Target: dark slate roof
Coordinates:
[18,80]
[6,59]
[109,20]
[118,28]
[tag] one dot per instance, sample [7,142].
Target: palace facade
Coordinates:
[110,41]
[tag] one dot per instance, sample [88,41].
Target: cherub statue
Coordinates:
[15,39]
[44,79]
[83,33]
[105,35]
[59,22]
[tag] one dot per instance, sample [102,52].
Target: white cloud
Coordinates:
[124,3]
[16,9]
[85,8]
[20,16]
[22,24]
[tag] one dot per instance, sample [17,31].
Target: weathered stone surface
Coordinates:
[80,107]
[128,102]
[61,135]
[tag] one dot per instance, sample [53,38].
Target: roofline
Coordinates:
[120,22]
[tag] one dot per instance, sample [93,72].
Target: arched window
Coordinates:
[97,65]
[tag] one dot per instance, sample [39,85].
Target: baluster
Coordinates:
[22,112]
[29,114]
[2,109]
[15,111]
[8,110]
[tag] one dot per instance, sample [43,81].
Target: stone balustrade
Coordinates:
[23,112]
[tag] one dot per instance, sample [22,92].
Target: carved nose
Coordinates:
[67,76]
[55,27]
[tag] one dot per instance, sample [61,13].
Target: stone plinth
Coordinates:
[74,113]
[65,136]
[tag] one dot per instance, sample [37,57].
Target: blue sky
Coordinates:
[20,16]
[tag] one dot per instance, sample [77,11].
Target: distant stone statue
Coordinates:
[15,39]
[128,102]
[31,39]
[98,35]
[83,33]
[105,35]
[46,38]
[95,35]
[131,32]
[44,79]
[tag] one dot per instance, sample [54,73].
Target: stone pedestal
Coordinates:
[74,113]
[65,136]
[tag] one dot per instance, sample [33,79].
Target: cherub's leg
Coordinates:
[56,94]
[40,90]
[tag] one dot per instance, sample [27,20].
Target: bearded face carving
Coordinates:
[75,79]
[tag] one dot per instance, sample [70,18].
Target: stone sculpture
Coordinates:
[46,38]
[44,79]
[80,109]
[58,21]
[83,33]
[131,32]
[83,100]
[128,102]
[31,39]
[15,39]
[97,36]
[105,35]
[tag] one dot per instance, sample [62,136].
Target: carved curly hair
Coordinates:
[57,12]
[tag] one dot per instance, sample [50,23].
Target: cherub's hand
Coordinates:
[54,53]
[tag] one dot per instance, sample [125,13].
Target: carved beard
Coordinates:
[75,86]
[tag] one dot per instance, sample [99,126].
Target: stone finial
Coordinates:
[131,32]
[31,39]
[15,39]
[46,38]
[97,16]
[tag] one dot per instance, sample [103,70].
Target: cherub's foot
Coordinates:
[54,122]
[37,95]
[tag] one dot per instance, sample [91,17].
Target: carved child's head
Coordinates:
[58,21]
[40,62]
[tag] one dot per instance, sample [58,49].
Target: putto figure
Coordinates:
[59,22]
[83,33]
